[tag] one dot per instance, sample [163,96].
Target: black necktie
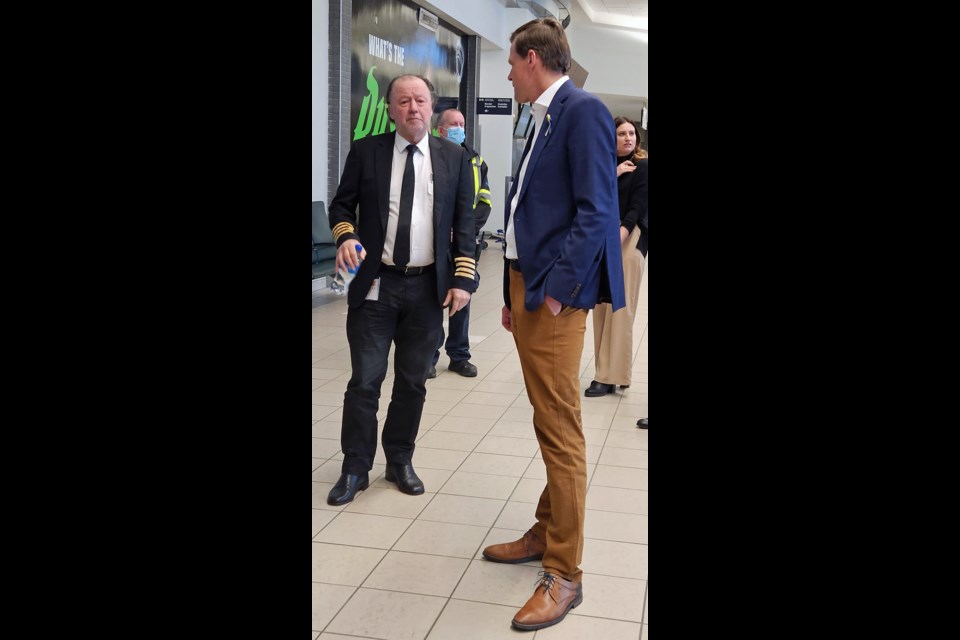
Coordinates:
[526,149]
[401,244]
[523,157]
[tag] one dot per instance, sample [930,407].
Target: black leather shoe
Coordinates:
[597,389]
[405,477]
[464,368]
[433,372]
[346,488]
[642,423]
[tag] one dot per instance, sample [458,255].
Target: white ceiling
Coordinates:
[620,13]
[630,14]
[625,14]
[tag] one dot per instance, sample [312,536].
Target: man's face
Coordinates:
[410,108]
[521,76]
[450,119]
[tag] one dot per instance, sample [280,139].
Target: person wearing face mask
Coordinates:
[450,126]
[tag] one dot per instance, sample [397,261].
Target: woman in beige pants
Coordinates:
[613,332]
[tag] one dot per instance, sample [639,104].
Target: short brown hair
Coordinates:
[547,38]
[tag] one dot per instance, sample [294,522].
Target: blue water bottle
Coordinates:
[341,283]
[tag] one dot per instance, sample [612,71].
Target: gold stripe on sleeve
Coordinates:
[465,267]
[341,228]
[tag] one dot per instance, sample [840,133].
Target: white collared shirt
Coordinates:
[539,108]
[421,220]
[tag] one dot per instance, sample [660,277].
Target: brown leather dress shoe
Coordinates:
[526,549]
[549,604]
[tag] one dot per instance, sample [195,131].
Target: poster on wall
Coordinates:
[389,40]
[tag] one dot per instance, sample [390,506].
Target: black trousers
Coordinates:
[407,315]
[458,343]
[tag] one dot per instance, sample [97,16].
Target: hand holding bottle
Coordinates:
[349,255]
[341,283]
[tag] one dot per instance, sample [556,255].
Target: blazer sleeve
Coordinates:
[342,211]
[464,245]
[591,155]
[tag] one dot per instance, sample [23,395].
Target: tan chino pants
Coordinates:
[613,331]
[550,348]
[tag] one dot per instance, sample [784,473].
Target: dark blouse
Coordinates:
[632,191]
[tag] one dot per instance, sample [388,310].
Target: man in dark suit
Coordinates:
[562,257]
[399,196]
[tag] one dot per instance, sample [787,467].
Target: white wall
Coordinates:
[320,90]
[496,132]
[478,17]
[615,58]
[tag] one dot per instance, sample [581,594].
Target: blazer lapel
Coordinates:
[546,129]
[513,183]
[440,177]
[383,165]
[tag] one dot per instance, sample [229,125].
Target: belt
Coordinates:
[515,265]
[407,271]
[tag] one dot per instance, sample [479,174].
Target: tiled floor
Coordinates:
[398,567]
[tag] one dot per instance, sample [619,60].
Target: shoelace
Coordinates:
[547,580]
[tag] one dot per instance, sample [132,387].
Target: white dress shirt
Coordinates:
[539,108]
[421,220]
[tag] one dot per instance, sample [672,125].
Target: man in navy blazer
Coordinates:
[399,293]
[562,257]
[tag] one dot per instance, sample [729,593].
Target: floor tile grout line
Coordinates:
[369,573]
[470,560]
[467,567]
[643,611]
[489,529]
[461,598]
[495,604]
[318,363]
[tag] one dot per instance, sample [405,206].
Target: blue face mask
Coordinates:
[456,134]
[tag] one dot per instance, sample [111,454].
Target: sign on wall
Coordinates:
[389,40]
[495,106]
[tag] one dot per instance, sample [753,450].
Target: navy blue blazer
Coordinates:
[361,208]
[567,222]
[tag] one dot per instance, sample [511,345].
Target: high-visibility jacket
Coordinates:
[481,188]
